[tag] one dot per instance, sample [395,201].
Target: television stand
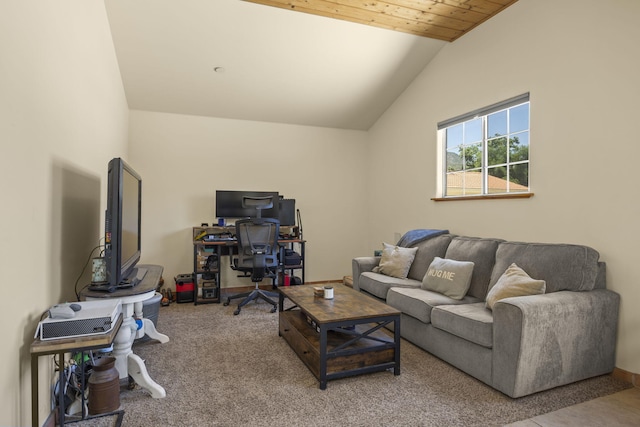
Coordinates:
[136,276]
[128,363]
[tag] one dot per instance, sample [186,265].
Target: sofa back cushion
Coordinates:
[427,251]
[601,279]
[561,266]
[482,252]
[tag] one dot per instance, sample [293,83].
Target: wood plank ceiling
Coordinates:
[438,19]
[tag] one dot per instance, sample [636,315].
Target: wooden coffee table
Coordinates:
[340,337]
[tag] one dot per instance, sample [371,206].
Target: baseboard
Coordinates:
[51,420]
[626,376]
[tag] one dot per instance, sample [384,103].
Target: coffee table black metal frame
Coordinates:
[359,326]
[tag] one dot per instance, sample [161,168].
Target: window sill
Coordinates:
[484,197]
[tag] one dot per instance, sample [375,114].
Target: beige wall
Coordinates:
[63,114]
[579,61]
[184,159]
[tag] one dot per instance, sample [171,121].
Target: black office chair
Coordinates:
[257,252]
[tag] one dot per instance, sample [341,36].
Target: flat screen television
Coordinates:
[229,204]
[123,220]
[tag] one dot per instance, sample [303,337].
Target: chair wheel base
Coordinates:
[254,295]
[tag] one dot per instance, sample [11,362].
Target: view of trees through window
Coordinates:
[488,154]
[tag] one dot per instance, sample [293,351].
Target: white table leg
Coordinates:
[138,371]
[138,314]
[150,329]
[122,344]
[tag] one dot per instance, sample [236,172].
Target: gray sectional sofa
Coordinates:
[524,344]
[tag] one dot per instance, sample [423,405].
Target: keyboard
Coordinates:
[218,238]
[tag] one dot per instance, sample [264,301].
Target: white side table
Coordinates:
[128,363]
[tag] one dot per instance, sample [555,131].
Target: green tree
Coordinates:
[472,156]
[517,152]
[496,155]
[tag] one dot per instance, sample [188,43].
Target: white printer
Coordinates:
[80,319]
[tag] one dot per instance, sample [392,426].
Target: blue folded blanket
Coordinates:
[413,237]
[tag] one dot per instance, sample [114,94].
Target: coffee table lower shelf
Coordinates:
[340,349]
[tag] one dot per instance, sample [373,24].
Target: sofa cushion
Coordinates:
[418,303]
[395,261]
[561,266]
[515,282]
[427,250]
[448,277]
[378,284]
[472,322]
[482,252]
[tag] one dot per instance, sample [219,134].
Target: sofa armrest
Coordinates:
[544,341]
[360,265]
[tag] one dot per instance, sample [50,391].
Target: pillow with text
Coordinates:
[448,277]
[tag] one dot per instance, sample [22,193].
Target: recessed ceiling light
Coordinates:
[218,69]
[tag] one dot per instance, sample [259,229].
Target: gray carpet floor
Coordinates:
[224,370]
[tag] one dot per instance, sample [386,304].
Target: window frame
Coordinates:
[484,113]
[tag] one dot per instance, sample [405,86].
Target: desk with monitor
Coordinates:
[219,241]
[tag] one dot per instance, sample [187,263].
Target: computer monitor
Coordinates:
[229,204]
[287,214]
[123,221]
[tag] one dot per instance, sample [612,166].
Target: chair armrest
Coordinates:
[360,265]
[544,341]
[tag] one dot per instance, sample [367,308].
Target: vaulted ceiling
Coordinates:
[241,60]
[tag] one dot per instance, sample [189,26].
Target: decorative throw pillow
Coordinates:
[448,277]
[396,261]
[514,282]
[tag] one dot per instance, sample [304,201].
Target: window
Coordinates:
[487,150]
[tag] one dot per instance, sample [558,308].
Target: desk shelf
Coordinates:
[206,275]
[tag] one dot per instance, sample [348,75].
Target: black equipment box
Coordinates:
[291,257]
[209,292]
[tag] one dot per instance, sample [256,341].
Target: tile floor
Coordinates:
[618,409]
